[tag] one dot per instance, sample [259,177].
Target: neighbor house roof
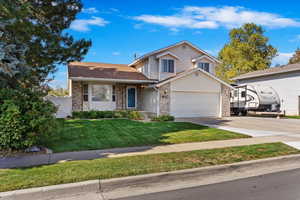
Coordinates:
[269,71]
[171,46]
[104,71]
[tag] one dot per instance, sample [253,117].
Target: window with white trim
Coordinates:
[168,65]
[85,92]
[204,66]
[113,93]
[101,93]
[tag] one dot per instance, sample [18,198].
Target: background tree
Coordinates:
[248,50]
[32,43]
[296,57]
[58,91]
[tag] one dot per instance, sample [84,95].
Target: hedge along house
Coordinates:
[178,80]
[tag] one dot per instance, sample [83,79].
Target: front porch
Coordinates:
[107,96]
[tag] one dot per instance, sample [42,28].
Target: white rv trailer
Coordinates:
[246,98]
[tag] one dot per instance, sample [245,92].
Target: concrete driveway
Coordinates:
[261,125]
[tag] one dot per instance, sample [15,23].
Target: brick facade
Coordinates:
[77,96]
[225,93]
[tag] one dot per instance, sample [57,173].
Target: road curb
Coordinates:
[109,186]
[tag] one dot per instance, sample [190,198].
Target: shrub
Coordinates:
[25,117]
[93,114]
[136,115]
[163,118]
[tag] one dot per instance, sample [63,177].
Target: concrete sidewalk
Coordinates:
[42,159]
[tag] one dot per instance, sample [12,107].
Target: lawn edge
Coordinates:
[109,186]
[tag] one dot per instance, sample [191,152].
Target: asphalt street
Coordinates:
[277,186]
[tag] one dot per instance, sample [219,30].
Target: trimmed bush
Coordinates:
[93,114]
[135,115]
[163,118]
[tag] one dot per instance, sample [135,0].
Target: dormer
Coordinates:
[205,63]
[167,64]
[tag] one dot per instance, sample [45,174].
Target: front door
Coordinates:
[131,97]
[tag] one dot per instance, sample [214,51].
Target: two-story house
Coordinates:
[178,80]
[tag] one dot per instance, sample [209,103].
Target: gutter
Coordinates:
[111,80]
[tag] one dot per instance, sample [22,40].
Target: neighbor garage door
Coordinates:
[195,104]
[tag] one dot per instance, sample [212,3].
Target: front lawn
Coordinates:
[293,117]
[76,135]
[75,171]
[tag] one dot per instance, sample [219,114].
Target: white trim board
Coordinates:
[190,72]
[171,46]
[129,87]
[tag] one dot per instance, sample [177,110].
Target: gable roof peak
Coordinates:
[171,46]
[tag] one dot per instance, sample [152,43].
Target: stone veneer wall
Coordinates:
[77,96]
[225,92]
[121,99]
[164,99]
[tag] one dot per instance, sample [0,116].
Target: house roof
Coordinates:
[190,71]
[171,46]
[105,71]
[269,71]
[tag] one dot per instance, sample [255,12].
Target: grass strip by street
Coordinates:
[293,117]
[76,171]
[77,135]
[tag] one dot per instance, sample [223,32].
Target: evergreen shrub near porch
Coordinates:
[94,114]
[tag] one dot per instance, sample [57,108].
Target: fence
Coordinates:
[63,104]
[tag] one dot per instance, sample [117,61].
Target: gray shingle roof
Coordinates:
[269,71]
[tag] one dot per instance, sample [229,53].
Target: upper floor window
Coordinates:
[168,65]
[204,66]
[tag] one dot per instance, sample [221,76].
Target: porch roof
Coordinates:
[105,72]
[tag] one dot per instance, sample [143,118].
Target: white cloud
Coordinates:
[84,24]
[195,17]
[282,58]
[116,53]
[89,10]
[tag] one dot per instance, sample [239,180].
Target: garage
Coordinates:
[195,104]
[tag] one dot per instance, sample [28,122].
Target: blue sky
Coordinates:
[120,28]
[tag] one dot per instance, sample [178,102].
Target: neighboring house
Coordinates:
[178,80]
[285,80]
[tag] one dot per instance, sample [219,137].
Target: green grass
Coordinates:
[75,171]
[293,117]
[76,135]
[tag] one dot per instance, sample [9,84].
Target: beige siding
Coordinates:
[186,54]
[164,75]
[196,82]
[153,66]
[212,65]
[149,100]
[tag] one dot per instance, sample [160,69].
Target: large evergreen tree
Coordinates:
[296,57]
[248,50]
[33,40]
[32,43]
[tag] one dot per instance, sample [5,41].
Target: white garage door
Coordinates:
[195,104]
